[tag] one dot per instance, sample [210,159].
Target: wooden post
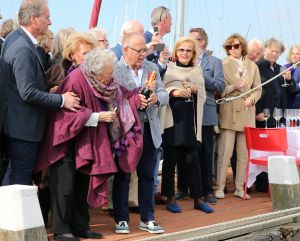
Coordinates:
[284,182]
[20,214]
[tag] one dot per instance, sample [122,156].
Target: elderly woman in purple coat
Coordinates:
[83,148]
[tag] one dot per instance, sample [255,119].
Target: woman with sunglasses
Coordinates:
[181,121]
[240,75]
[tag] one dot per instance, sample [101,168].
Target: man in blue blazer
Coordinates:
[24,90]
[132,71]
[214,83]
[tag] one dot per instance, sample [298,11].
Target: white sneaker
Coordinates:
[219,194]
[151,227]
[122,227]
[240,194]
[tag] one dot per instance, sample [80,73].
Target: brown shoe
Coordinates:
[159,199]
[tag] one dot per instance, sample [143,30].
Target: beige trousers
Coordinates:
[133,191]
[226,141]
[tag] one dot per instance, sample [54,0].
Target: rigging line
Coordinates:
[135,8]
[126,10]
[258,19]
[279,22]
[231,98]
[209,25]
[290,22]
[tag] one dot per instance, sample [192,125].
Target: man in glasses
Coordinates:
[132,71]
[255,50]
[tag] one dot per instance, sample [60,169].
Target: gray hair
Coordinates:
[59,41]
[158,14]
[257,42]
[95,31]
[130,26]
[30,8]
[275,41]
[129,37]
[97,59]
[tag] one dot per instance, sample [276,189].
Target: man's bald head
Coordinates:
[131,26]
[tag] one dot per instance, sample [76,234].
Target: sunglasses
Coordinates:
[230,47]
[140,51]
[181,51]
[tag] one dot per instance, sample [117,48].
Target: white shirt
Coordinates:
[33,39]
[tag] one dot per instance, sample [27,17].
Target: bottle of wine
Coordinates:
[151,82]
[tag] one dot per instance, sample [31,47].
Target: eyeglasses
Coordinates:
[103,41]
[162,11]
[181,51]
[235,46]
[140,51]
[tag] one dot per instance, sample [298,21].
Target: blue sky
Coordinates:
[261,19]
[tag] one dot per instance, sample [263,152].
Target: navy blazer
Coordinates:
[117,50]
[214,82]
[24,89]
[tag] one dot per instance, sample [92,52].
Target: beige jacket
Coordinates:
[173,79]
[234,115]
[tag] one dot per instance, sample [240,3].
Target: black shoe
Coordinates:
[60,237]
[88,234]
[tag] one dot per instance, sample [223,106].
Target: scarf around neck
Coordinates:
[112,95]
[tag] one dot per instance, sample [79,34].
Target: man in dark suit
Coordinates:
[274,94]
[24,90]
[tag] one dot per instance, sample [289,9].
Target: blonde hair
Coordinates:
[7,27]
[195,49]
[59,41]
[73,42]
[44,38]
[290,52]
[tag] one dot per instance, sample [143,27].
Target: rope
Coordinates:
[263,225]
[228,99]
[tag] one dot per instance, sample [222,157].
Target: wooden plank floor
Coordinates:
[227,209]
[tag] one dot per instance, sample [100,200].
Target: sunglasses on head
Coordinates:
[235,46]
[162,11]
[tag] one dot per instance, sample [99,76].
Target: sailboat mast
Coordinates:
[181,8]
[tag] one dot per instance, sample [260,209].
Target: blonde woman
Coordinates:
[240,75]
[182,122]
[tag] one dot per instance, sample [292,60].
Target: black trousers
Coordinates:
[3,157]
[187,160]
[206,158]
[22,157]
[69,190]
